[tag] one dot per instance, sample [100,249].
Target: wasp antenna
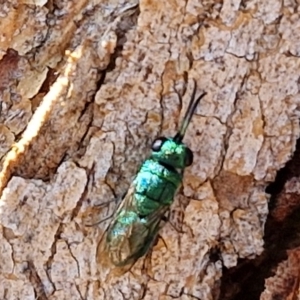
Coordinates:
[189,114]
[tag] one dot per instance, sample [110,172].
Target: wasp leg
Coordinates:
[148,257]
[160,237]
[106,203]
[101,221]
[110,201]
[167,219]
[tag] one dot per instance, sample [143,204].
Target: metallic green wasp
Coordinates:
[136,222]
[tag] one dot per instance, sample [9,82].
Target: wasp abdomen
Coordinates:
[155,185]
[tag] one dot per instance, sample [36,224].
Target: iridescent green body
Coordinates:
[136,225]
[136,222]
[155,185]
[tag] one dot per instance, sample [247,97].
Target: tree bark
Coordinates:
[86,86]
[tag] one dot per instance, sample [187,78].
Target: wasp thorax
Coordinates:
[171,153]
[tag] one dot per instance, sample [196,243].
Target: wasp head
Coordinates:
[172,151]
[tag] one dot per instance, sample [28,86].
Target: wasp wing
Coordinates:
[102,249]
[143,234]
[129,236]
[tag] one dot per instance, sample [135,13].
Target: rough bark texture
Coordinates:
[85,86]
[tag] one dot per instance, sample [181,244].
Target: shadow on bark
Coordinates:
[247,280]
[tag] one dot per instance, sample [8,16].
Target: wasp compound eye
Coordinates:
[156,145]
[189,157]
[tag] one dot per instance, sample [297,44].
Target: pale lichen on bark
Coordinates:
[70,147]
